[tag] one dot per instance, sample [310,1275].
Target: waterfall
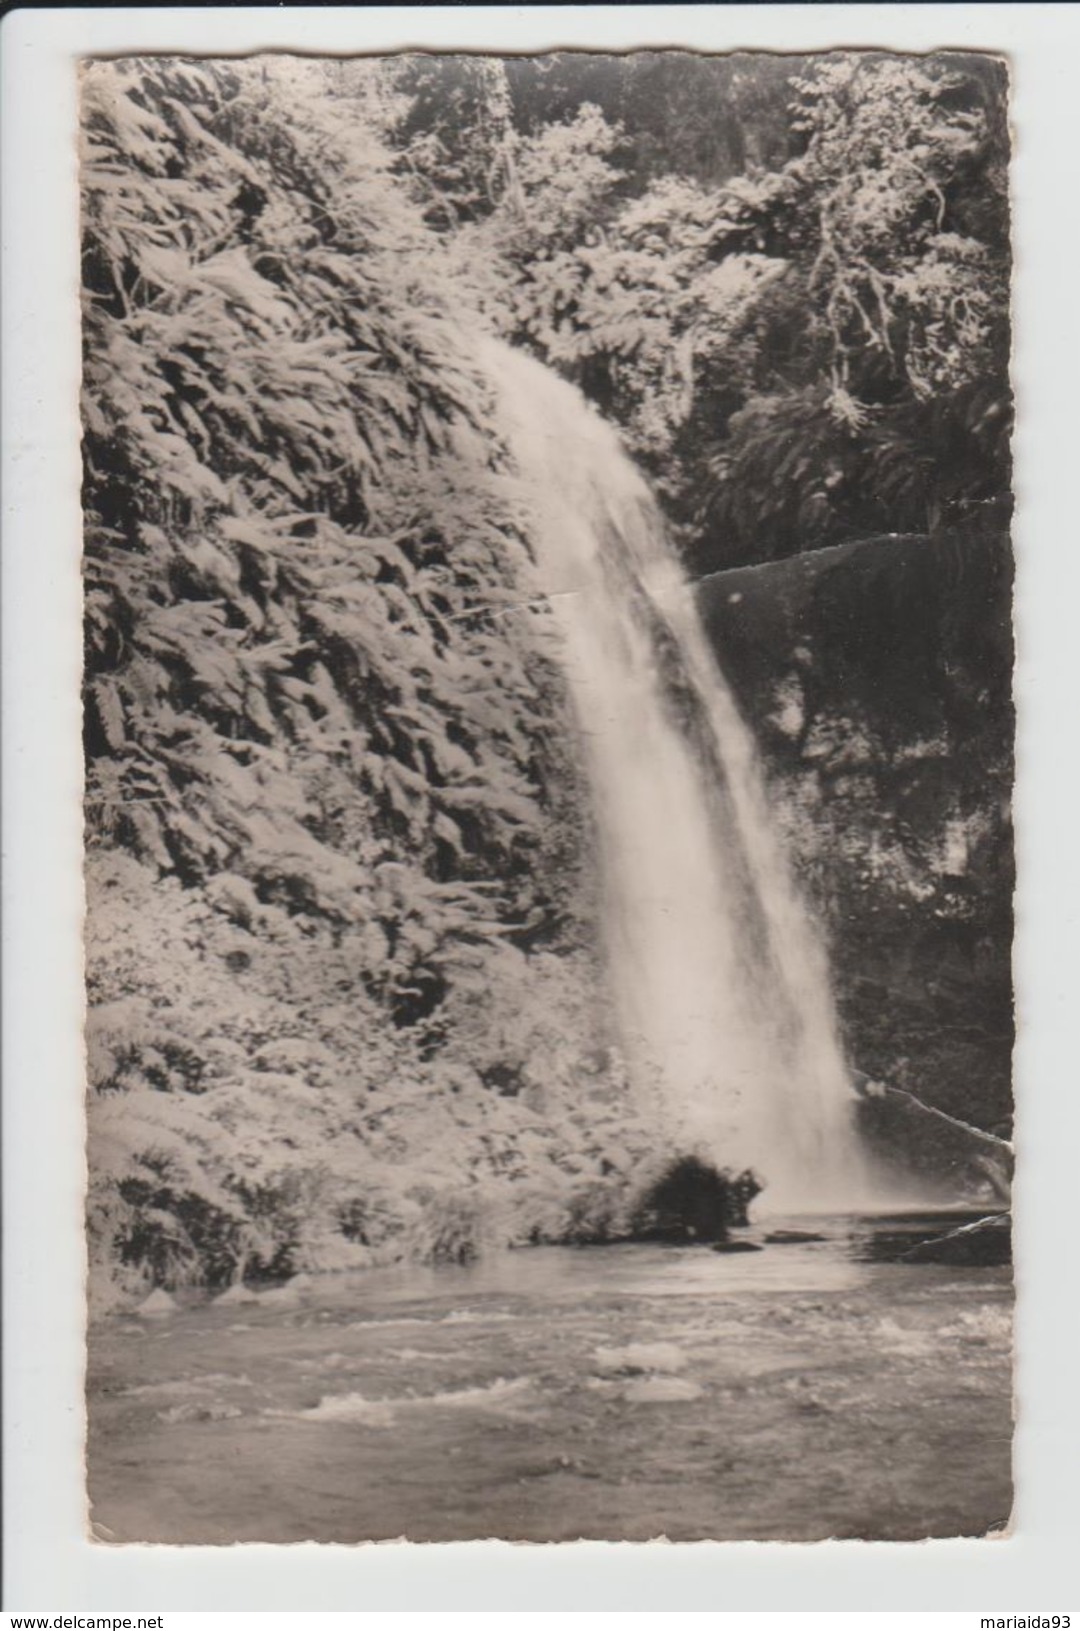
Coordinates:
[719,979]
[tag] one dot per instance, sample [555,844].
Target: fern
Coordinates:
[320,770]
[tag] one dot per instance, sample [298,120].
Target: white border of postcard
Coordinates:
[50,1566]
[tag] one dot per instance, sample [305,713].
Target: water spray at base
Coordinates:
[719,979]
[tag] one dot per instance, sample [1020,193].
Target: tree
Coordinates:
[881,398]
[453,129]
[807,350]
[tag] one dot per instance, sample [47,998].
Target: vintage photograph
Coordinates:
[549,756]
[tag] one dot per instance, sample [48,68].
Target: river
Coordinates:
[802,1391]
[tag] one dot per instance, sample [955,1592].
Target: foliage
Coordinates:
[316,1134]
[304,715]
[708,118]
[880,399]
[805,337]
[291,550]
[453,121]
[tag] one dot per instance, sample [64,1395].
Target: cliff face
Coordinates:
[877,676]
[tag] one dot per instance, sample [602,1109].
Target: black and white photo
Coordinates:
[549,762]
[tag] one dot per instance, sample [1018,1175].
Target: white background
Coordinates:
[50,1567]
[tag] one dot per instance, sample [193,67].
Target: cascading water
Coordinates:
[720,984]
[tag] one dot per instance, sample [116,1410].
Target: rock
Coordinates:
[792,1237]
[736,1246]
[742,1188]
[156,1306]
[694,1202]
[639,1357]
[236,1295]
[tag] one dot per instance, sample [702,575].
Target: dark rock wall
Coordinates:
[877,677]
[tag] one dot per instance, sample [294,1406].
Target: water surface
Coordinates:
[623,1392]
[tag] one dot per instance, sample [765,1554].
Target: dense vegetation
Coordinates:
[786,278]
[327,888]
[332,806]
